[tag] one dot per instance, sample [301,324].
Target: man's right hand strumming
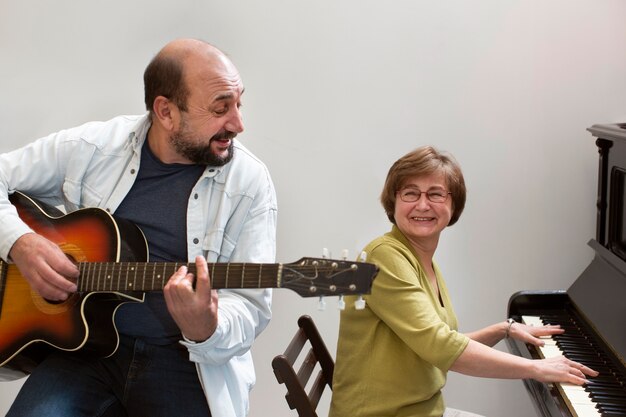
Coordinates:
[44,265]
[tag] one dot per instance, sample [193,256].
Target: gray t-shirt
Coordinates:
[157,203]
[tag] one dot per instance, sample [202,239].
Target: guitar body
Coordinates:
[29,324]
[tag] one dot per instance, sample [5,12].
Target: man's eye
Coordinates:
[221,111]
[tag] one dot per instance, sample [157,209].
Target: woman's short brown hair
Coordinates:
[425,161]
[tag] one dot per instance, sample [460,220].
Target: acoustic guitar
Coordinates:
[111,255]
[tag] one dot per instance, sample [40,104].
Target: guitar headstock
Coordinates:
[317,277]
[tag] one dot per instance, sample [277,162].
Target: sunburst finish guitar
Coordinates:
[111,256]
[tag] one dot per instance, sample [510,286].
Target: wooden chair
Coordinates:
[296,382]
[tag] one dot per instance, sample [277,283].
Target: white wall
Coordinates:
[335,92]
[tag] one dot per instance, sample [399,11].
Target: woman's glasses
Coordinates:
[411,195]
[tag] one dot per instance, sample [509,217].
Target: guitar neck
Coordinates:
[152,276]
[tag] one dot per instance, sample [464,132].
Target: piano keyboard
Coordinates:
[605,396]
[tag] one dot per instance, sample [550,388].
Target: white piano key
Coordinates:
[550,351]
[585,410]
[532,320]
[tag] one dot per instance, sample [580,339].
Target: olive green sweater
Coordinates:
[392,357]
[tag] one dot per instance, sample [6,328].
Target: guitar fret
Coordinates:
[131,282]
[143,277]
[84,275]
[243,274]
[227,272]
[143,274]
[97,271]
[212,274]
[106,277]
[89,278]
[260,269]
[93,271]
[106,272]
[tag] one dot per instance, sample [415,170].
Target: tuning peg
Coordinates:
[325,253]
[341,305]
[321,305]
[360,303]
[344,254]
[363,256]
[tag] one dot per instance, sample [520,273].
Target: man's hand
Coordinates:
[44,265]
[193,310]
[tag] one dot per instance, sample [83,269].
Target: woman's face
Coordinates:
[423,219]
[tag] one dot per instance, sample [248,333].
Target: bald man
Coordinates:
[197,195]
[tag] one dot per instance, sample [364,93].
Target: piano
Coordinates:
[593,309]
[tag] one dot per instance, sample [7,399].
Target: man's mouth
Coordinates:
[224,137]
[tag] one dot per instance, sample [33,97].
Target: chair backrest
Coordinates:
[296,382]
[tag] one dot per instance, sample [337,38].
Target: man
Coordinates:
[196,193]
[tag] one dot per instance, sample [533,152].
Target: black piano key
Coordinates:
[611,401]
[608,400]
[605,378]
[603,386]
[609,409]
[580,345]
[611,404]
[585,360]
[603,399]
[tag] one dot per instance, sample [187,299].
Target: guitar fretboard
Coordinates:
[143,276]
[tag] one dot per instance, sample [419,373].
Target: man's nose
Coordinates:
[235,121]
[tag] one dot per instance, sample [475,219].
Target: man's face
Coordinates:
[213,119]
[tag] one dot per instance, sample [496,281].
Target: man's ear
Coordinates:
[165,113]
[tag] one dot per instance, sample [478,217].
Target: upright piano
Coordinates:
[593,310]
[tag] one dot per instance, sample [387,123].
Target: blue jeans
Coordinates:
[138,380]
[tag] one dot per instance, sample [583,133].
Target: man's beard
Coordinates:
[198,150]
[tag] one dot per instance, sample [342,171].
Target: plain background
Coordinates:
[338,90]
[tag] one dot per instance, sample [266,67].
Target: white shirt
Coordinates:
[231,217]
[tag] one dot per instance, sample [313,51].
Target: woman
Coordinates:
[393,357]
